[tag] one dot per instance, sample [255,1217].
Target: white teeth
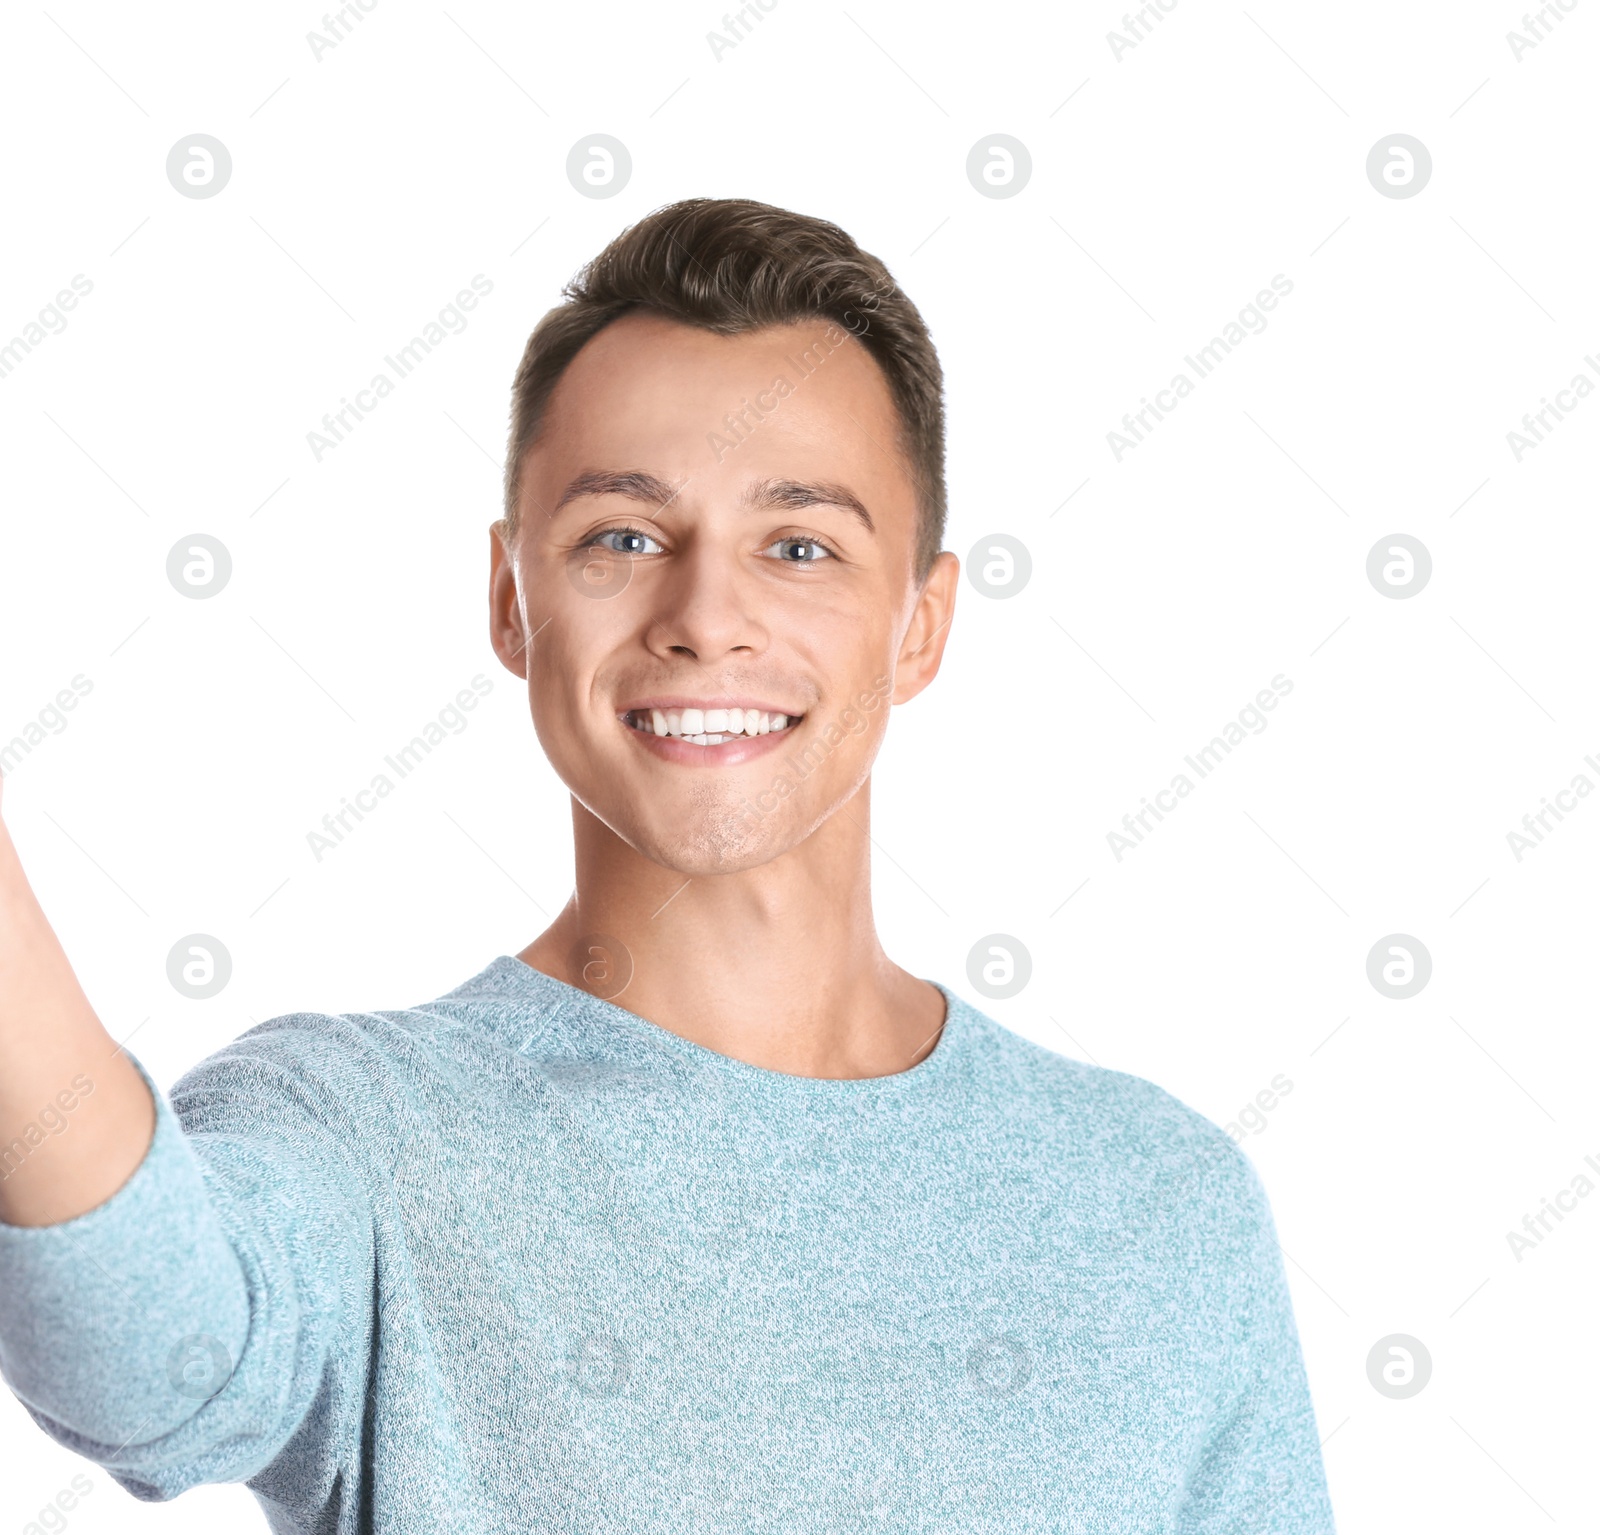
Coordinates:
[710,727]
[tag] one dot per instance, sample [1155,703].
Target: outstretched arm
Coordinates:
[178,1298]
[60,1072]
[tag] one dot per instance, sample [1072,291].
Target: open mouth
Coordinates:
[709,727]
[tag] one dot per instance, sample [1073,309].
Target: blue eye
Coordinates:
[633,539]
[811,551]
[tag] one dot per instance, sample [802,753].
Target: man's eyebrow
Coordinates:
[798,493]
[641,485]
[636,484]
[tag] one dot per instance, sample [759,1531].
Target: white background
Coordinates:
[1168,186]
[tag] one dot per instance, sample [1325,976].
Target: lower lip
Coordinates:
[730,754]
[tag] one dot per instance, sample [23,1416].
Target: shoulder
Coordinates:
[362,1078]
[341,1071]
[1125,1135]
[353,1055]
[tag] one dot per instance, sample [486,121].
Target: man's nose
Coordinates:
[706,607]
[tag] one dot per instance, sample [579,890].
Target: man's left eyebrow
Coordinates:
[799,493]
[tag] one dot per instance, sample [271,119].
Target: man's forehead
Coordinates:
[647,354]
[788,416]
[649,329]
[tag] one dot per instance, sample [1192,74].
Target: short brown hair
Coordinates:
[730,265]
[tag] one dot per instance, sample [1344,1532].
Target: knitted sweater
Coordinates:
[518,1260]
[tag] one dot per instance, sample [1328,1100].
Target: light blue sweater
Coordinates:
[517,1260]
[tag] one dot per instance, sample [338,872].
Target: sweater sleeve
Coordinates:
[185,1329]
[1259,1471]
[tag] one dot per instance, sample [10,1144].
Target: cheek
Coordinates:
[574,626]
[841,744]
[843,644]
[563,662]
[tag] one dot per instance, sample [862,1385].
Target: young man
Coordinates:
[699,1213]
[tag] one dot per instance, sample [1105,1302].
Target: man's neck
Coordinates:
[778,966]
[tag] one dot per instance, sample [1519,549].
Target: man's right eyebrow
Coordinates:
[635,484]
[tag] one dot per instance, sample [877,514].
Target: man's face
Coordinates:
[687,542]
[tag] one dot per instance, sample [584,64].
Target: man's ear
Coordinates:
[922,649]
[505,608]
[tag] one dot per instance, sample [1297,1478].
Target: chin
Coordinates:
[711,836]
[707,844]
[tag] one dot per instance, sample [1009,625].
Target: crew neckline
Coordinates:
[523,977]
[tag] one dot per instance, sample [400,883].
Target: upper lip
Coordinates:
[666,701]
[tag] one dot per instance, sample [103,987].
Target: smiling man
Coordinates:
[699,1213]
[712,640]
